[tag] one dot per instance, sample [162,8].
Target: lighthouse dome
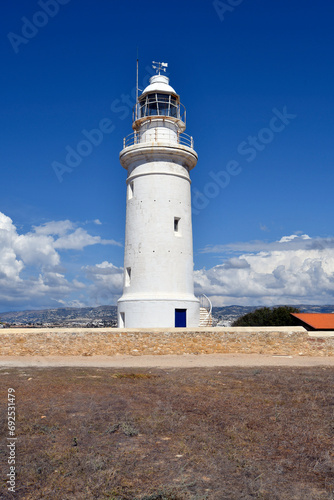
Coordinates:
[159,83]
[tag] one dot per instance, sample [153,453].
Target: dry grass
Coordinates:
[178,434]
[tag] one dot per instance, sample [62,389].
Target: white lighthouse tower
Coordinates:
[158,257]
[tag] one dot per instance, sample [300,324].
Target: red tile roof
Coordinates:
[317,321]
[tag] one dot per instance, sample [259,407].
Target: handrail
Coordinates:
[135,138]
[185,139]
[209,309]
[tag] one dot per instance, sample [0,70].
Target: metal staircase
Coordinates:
[205,311]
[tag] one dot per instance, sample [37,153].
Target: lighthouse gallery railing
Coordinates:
[136,138]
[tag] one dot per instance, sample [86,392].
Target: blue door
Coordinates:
[180,318]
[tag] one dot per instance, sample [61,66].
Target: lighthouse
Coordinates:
[158,289]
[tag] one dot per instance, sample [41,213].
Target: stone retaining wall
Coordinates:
[112,341]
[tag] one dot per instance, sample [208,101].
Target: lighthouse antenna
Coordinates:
[136,107]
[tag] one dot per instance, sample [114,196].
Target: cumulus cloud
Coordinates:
[31,271]
[80,239]
[54,227]
[69,237]
[107,282]
[286,239]
[10,262]
[293,270]
[235,263]
[36,249]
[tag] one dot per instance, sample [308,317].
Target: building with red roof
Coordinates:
[315,321]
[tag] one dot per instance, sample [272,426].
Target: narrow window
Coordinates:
[176,224]
[131,190]
[128,276]
[122,320]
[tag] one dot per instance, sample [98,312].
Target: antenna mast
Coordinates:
[136,107]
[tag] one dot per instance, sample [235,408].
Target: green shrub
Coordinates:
[266,316]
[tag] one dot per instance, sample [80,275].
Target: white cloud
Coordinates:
[69,237]
[58,228]
[292,242]
[286,239]
[107,282]
[36,250]
[31,271]
[293,270]
[10,263]
[80,239]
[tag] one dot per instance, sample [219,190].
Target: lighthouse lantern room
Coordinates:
[158,286]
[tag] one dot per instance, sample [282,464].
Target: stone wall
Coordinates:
[112,341]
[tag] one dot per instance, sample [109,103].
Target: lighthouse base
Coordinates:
[141,313]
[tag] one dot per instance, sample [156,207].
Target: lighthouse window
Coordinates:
[131,189]
[142,110]
[163,104]
[152,105]
[173,107]
[176,224]
[127,276]
[159,105]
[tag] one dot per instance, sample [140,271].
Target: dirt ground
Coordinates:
[227,433]
[204,415]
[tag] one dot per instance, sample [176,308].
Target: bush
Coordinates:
[265,316]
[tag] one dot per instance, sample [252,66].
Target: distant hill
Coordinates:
[66,316]
[107,315]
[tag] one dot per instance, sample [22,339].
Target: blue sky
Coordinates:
[256,78]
